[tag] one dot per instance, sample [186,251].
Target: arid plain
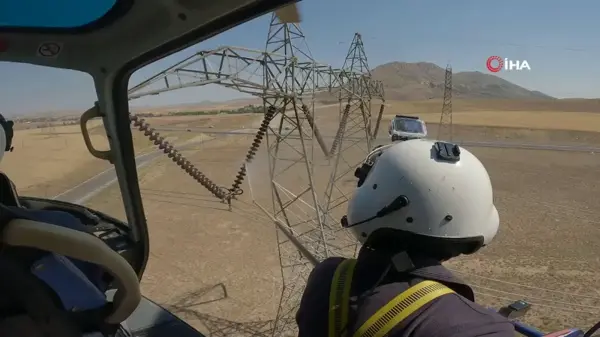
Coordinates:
[219,269]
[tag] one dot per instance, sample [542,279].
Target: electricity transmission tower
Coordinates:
[298,206]
[287,79]
[445,127]
[354,136]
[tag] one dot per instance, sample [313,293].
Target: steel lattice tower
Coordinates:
[354,136]
[359,92]
[288,201]
[286,78]
[445,127]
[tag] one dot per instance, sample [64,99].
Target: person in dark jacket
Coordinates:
[418,203]
[6,136]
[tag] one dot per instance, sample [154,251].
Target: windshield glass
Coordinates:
[251,141]
[49,158]
[408,125]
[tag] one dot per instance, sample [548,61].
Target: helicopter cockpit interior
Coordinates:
[75,271]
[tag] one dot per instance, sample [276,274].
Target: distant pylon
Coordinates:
[355,122]
[356,58]
[445,127]
[355,101]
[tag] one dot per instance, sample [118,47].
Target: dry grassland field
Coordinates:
[47,161]
[219,269]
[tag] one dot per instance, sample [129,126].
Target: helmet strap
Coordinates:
[400,263]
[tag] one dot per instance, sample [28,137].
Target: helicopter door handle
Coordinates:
[85,118]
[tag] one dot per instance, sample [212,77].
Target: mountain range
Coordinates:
[408,82]
[424,80]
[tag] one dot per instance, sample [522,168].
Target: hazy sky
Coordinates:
[559,39]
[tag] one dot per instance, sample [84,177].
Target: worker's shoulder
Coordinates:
[319,280]
[332,261]
[329,265]
[464,318]
[448,316]
[324,271]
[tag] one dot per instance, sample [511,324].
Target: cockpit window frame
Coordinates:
[120,102]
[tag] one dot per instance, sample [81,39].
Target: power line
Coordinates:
[523,285]
[561,308]
[536,298]
[493,43]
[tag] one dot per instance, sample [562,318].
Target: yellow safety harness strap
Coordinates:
[402,306]
[339,297]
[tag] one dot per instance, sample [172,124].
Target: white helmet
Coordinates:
[440,191]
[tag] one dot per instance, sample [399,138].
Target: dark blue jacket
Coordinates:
[452,315]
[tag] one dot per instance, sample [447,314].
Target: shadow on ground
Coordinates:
[189,308]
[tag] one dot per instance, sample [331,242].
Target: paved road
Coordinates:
[383,138]
[525,146]
[89,188]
